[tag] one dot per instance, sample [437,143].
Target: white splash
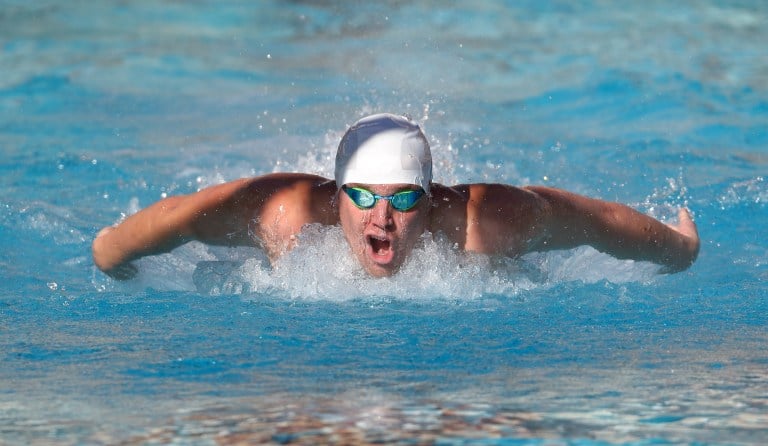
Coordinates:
[321,267]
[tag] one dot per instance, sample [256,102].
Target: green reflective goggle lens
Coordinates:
[401,201]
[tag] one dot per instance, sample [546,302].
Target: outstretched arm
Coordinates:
[569,220]
[270,208]
[210,215]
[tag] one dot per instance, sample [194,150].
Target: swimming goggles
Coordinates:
[401,201]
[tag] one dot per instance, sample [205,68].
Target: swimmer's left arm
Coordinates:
[568,220]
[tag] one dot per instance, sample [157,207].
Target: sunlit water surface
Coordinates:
[106,107]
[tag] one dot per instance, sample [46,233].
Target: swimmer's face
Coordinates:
[382,237]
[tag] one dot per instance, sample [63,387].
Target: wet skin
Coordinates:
[495,219]
[382,237]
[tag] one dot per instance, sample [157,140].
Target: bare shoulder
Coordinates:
[447,200]
[487,217]
[270,184]
[283,203]
[296,193]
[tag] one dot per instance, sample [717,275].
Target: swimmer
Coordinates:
[384,199]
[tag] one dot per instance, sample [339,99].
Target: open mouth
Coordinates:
[380,247]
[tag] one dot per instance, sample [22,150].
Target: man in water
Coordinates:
[384,200]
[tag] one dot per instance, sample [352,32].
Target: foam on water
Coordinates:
[107,107]
[321,267]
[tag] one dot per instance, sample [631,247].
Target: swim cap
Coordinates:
[384,149]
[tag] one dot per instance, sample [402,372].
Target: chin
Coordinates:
[375,270]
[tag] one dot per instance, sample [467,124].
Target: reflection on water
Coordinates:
[107,106]
[710,404]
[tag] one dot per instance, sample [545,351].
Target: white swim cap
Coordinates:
[384,149]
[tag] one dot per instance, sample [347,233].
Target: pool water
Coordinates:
[106,107]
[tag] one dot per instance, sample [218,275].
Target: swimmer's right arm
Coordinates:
[268,210]
[217,215]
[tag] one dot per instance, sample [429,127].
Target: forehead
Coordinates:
[385,189]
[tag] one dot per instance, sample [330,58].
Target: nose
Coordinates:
[381,214]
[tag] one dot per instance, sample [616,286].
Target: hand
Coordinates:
[690,236]
[686,226]
[123,271]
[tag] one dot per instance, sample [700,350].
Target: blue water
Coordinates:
[106,107]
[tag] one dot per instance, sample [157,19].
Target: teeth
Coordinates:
[378,244]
